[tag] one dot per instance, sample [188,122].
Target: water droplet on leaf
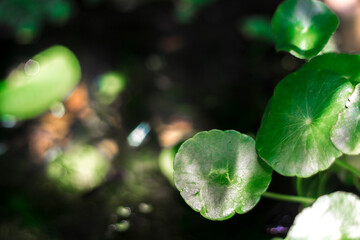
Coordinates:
[32,67]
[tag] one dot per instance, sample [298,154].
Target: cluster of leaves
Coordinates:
[310,121]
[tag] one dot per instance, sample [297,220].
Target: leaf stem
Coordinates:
[289,198]
[323,177]
[348,167]
[299,186]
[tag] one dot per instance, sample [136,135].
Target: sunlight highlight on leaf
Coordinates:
[346,133]
[332,217]
[303,27]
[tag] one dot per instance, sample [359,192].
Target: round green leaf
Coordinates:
[218,173]
[346,65]
[35,86]
[346,133]
[303,27]
[331,217]
[294,136]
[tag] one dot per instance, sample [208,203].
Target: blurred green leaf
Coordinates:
[187,9]
[35,86]
[58,11]
[26,17]
[110,85]
[303,27]
[316,185]
[218,173]
[79,169]
[166,163]
[331,217]
[258,28]
[294,136]
[346,177]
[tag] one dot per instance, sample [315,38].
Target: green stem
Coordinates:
[356,183]
[348,167]
[323,176]
[299,186]
[289,198]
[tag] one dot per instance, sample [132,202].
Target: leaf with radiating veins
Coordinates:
[294,136]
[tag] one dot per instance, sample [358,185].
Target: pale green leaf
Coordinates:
[332,217]
[218,173]
[346,133]
[35,86]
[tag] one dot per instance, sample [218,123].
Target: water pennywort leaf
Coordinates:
[346,65]
[303,27]
[331,217]
[294,136]
[218,173]
[346,133]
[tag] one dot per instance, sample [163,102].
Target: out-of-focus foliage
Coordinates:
[187,9]
[346,177]
[27,17]
[110,85]
[166,162]
[258,28]
[80,168]
[35,86]
[12,231]
[316,185]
